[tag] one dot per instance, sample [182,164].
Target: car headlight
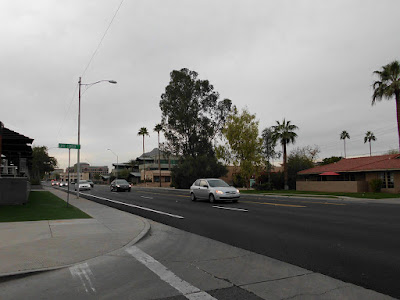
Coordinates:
[219,192]
[118,185]
[237,191]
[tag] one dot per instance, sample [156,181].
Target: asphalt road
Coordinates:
[351,241]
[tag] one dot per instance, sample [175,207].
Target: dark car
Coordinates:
[120,185]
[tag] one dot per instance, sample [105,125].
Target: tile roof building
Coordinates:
[352,175]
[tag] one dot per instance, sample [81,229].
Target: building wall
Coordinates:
[333,186]
[396,175]
[14,190]
[73,176]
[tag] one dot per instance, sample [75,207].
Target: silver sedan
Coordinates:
[213,189]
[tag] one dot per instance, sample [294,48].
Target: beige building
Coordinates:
[73,176]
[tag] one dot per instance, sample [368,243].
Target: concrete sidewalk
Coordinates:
[44,245]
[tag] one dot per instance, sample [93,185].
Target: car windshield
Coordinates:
[121,181]
[83,181]
[217,183]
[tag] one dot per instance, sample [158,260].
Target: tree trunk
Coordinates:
[398,116]
[344,140]
[144,164]
[159,158]
[285,171]
[370,152]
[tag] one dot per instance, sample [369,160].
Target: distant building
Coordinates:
[151,160]
[91,170]
[73,176]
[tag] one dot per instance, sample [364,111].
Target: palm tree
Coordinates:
[343,136]
[369,136]
[284,132]
[158,128]
[143,131]
[388,86]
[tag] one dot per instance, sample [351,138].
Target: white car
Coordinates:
[83,185]
[213,189]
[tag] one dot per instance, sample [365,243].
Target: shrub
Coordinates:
[35,181]
[263,187]
[375,185]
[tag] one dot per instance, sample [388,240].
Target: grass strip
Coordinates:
[41,206]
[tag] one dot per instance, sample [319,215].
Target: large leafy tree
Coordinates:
[143,131]
[343,136]
[369,136]
[42,163]
[244,146]
[191,114]
[191,117]
[299,159]
[284,133]
[388,86]
[330,160]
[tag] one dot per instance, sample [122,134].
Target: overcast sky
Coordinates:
[310,62]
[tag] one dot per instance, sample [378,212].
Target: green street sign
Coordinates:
[69,146]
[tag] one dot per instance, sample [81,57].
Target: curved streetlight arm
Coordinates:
[110,81]
[116,169]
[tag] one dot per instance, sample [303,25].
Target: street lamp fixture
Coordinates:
[79,126]
[116,169]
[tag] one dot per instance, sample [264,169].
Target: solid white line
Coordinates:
[230,208]
[146,197]
[136,206]
[189,291]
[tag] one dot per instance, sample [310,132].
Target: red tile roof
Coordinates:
[359,164]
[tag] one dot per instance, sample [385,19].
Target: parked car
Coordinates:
[83,185]
[213,189]
[120,185]
[91,183]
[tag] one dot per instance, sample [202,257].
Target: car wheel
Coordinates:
[193,197]
[129,190]
[211,198]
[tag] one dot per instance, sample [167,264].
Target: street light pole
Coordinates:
[116,169]
[79,129]
[79,141]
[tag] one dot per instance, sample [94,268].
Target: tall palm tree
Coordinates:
[143,131]
[284,132]
[369,136]
[388,86]
[343,136]
[158,128]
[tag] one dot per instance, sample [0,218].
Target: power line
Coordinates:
[87,66]
[101,40]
